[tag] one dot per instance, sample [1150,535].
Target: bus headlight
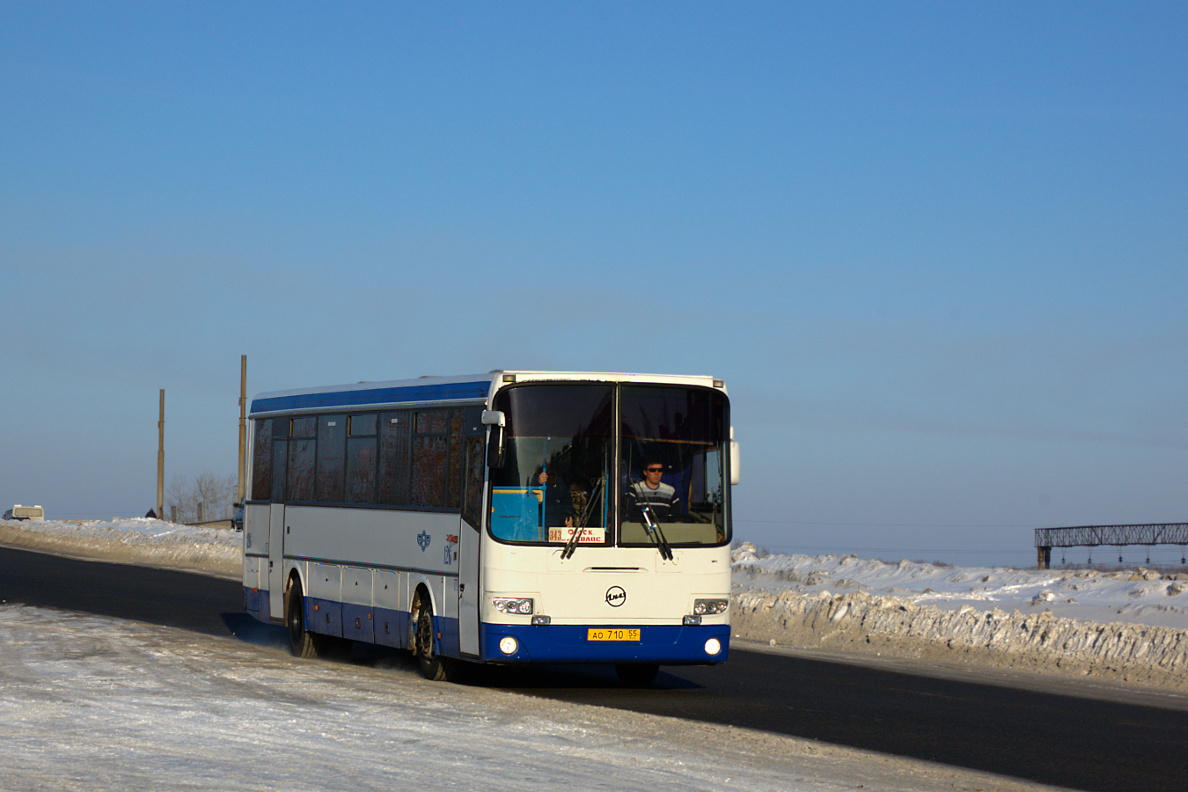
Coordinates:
[518,606]
[508,645]
[713,646]
[710,607]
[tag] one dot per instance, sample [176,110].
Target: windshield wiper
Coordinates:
[654,531]
[582,521]
[572,543]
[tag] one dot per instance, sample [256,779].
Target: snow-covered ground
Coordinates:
[93,703]
[98,703]
[1137,597]
[135,540]
[1129,627]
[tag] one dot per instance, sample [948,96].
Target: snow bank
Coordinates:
[134,541]
[957,614]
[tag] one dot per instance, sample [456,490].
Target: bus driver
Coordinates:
[661,498]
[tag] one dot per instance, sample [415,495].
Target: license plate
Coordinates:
[612,634]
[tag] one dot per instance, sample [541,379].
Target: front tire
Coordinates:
[423,641]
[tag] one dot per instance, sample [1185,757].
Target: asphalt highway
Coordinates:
[1080,741]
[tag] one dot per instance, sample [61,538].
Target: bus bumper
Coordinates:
[662,644]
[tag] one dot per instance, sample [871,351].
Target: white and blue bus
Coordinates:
[512,517]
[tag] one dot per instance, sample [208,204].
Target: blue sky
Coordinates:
[937,251]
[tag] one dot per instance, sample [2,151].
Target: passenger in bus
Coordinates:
[580,498]
[661,498]
[558,503]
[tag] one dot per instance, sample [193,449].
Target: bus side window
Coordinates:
[430,458]
[472,485]
[262,460]
[395,438]
[361,456]
[457,462]
[329,473]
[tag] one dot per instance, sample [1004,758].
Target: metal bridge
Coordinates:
[1098,535]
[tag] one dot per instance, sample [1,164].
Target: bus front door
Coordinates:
[469,544]
[468,589]
[276,565]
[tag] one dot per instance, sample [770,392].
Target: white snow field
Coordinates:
[98,703]
[92,703]
[1129,627]
[136,540]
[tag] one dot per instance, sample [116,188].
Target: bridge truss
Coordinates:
[1098,535]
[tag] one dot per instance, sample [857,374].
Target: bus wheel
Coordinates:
[302,643]
[433,666]
[637,674]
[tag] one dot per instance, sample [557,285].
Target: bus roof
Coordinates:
[474,389]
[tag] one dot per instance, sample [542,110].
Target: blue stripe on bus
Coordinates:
[449,391]
[382,626]
[255,602]
[664,644]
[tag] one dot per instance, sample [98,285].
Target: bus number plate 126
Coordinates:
[610,634]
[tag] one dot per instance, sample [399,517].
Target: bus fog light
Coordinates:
[713,646]
[540,621]
[691,621]
[508,645]
[517,606]
[710,607]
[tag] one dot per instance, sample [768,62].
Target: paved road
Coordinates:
[1064,740]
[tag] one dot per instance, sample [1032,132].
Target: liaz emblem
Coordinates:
[615,596]
[423,539]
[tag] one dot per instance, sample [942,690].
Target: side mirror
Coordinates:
[495,451]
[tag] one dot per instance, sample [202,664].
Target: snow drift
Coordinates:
[953,614]
[138,540]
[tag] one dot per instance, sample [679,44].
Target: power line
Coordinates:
[880,525]
[834,550]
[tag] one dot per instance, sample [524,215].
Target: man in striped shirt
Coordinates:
[661,498]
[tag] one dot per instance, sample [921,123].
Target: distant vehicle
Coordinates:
[19,512]
[501,518]
[237,517]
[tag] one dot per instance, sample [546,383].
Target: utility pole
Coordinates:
[242,424]
[161,460]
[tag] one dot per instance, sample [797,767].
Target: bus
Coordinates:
[509,518]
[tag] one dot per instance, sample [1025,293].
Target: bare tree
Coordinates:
[211,493]
[216,494]
[178,500]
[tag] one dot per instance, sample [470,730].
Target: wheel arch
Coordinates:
[424,585]
[294,575]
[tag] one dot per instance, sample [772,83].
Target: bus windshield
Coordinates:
[633,465]
[673,443]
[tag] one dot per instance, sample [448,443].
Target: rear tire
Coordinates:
[637,674]
[302,642]
[423,641]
